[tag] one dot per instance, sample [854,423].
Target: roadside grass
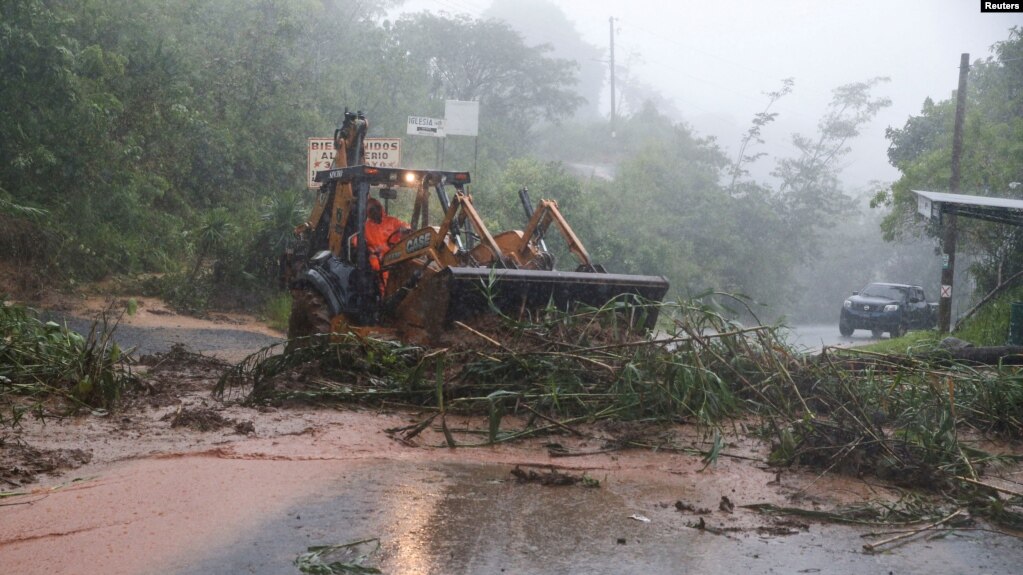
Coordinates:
[990,325]
[277,310]
[912,342]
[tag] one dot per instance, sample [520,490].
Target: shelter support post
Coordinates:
[949,218]
[949,223]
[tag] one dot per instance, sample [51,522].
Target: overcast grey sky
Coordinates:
[715,60]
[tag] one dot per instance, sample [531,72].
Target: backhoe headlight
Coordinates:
[891,307]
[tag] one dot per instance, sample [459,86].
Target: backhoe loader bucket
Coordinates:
[473,291]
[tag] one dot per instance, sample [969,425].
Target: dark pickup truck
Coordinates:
[884,307]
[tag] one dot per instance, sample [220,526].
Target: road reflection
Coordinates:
[813,338]
[414,512]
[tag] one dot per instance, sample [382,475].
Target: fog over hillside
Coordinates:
[709,64]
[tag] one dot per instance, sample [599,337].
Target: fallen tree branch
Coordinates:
[993,355]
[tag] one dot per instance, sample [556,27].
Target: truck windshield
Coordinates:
[889,292]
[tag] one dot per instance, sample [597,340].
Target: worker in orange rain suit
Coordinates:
[379,228]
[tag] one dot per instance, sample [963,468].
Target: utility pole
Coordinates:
[949,221]
[611,21]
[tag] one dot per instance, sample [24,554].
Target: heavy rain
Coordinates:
[523,286]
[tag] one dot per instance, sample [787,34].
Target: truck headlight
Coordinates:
[847,304]
[891,307]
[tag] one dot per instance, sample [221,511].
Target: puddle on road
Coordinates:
[455,518]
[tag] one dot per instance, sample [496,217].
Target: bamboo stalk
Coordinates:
[988,485]
[484,336]
[555,422]
[871,547]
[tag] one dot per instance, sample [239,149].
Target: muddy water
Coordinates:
[253,507]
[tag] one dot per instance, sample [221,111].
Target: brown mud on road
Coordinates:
[178,482]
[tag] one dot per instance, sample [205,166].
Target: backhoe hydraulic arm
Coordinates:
[546,213]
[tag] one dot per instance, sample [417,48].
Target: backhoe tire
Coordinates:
[309,315]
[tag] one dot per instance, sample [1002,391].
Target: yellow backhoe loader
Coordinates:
[433,275]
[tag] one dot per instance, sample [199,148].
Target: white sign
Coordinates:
[946,291]
[380,152]
[321,157]
[423,126]
[461,118]
[923,206]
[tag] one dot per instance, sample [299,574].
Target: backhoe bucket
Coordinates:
[473,291]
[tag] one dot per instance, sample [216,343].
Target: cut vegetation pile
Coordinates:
[583,367]
[916,422]
[48,369]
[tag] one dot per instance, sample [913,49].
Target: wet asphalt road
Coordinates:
[152,340]
[813,337]
[464,519]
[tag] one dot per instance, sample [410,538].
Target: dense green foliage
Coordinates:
[166,136]
[991,165]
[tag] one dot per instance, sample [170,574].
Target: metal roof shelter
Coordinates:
[936,205]
[999,210]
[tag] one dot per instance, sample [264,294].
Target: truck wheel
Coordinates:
[309,314]
[876,333]
[844,329]
[899,331]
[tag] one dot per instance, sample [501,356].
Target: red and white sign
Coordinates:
[320,157]
[946,291]
[380,152]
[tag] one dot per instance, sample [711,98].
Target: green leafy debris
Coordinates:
[46,368]
[905,418]
[338,559]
